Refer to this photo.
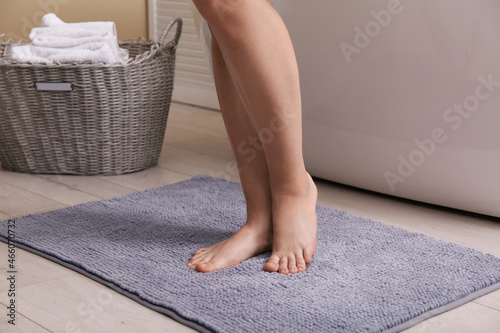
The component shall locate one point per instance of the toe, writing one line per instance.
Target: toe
(283, 265)
(272, 264)
(206, 267)
(192, 264)
(301, 264)
(199, 255)
(195, 258)
(199, 251)
(292, 267)
(199, 258)
(308, 255)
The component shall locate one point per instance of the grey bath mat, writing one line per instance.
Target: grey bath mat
(365, 276)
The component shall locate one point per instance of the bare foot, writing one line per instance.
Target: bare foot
(294, 229)
(250, 240)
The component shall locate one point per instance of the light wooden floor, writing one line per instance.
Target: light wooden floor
(52, 298)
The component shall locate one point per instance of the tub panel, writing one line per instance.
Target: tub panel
(402, 97)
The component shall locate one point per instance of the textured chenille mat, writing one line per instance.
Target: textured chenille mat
(365, 276)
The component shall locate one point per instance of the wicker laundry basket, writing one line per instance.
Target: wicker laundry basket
(87, 119)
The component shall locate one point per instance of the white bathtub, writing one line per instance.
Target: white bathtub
(396, 96)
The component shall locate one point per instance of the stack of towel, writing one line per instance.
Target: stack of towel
(59, 42)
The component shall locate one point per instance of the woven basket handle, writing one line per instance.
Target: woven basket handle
(173, 43)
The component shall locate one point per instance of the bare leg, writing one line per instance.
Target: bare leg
(260, 59)
(256, 235)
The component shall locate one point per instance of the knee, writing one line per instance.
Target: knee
(216, 10)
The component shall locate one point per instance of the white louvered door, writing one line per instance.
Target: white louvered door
(193, 80)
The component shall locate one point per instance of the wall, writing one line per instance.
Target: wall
(18, 17)
(194, 83)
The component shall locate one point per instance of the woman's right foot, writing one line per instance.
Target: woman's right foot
(294, 228)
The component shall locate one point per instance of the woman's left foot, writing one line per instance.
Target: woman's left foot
(252, 239)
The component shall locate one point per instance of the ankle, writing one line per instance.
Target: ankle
(259, 225)
(262, 233)
(299, 186)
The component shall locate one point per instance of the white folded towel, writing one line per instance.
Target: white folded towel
(51, 20)
(59, 42)
(67, 32)
(95, 53)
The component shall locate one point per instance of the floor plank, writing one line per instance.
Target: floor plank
(492, 300)
(207, 145)
(197, 119)
(48, 187)
(95, 186)
(467, 318)
(15, 202)
(193, 164)
(142, 180)
(176, 134)
(22, 325)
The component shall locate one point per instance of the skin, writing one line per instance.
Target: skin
(257, 83)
